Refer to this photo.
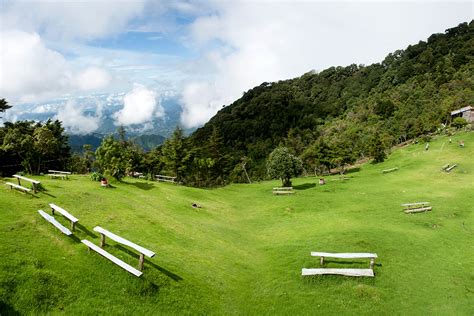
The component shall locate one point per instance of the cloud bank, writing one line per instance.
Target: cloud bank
(76, 121)
(140, 106)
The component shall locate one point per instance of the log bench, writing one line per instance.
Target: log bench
(143, 251)
(283, 190)
(16, 186)
(390, 170)
(57, 224)
(347, 272)
(450, 168)
(112, 258)
(64, 213)
(416, 207)
(59, 174)
(34, 183)
(349, 255)
(161, 178)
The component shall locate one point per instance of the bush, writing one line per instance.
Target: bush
(459, 122)
(96, 176)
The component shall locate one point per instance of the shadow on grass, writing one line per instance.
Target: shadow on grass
(352, 170)
(149, 263)
(140, 185)
(86, 231)
(48, 194)
(304, 186)
(75, 238)
(6, 309)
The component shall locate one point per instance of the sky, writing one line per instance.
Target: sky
(204, 54)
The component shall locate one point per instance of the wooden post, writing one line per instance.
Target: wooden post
(102, 240)
(321, 261)
(73, 225)
(19, 183)
(140, 262)
(52, 210)
(372, 261)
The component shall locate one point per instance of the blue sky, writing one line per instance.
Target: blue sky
(203, 54)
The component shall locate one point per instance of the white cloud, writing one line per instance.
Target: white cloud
(139, 106)
(75, 121)
(93, 78)
(69, 20)
(29, 71)
(247, 43)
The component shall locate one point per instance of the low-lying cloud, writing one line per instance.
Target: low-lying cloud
(141, 105)
(76, 121)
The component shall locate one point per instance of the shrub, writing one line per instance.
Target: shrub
(459, 122)
(96, 176)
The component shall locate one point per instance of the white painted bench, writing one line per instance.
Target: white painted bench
(53, 221)
(342, 255)
(165, 178)
(58, 174)
(390, 170)
(346, 272)
(65, 214)
(446, 166)
(143, 251)
(112, 258)
(33, 182)
(416, 207)
(450, 168)
(16, 186)
(283, 190)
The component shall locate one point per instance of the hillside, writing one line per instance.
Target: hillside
(242, 252)
(408, 94)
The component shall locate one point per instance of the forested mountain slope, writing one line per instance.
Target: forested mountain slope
(332, 117)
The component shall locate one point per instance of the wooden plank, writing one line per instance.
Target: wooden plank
(417, 203)
(344, 255)
(418, 210)
(64, 212)
(451, 168)
(445, 166)
(283, 188)
(124, 241)
(57, 175)
(346, 272)
(390, 170)
(57, 171)
(53, 221)
(112, 258)
(17, 186)
(27, 179)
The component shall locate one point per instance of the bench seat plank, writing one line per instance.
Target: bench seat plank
(53, 221)
(344, 255)
(26, 179)
(283, 188)
(59, 172)
(64, 212)
(347, 272)
(17, 186)
(112, 258)
(418, 210)
(124, 241)
(417, 203)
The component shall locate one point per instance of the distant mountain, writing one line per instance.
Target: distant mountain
(332, 117)
(146, 141)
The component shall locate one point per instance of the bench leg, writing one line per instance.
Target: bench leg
(321, 261)
(102, 240)
(52, 211)
(140, 262)
(372, 262)
(73, 225)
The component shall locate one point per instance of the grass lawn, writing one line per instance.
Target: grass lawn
(243, 251)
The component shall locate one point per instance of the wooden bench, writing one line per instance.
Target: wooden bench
(53, 221)
(446, 166)
(16, 186)
(143, 251)
(390, 170)
(58, 174)
(283, 190)
(65, 214)
(346, 272)
(161, 178)
(33, 182)
(416, 207)
(350, 255)
(450, 168)
(112, 258)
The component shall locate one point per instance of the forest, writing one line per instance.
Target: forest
(327, 119)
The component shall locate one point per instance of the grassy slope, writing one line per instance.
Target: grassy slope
(242, 253)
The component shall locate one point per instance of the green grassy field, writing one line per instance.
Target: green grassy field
(242, 252)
